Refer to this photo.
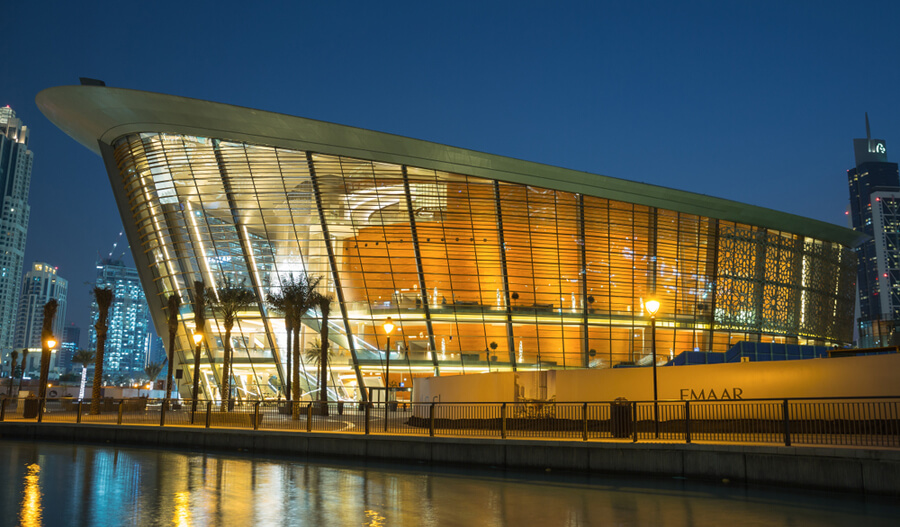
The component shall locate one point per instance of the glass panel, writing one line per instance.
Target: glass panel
(215, 211)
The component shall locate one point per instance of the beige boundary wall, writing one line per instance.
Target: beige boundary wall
(871, 376)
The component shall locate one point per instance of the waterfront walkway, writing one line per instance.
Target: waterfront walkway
(855, 422)
(848, 446)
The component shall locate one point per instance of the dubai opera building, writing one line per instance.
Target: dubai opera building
(484, 263)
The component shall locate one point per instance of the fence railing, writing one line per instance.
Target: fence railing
(857, 421)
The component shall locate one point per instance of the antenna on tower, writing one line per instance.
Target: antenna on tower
(868, 132)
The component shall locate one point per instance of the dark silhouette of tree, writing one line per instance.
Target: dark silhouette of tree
(200, 298)
(297, 296)
(22, 372)
(313, 353)
(46, 332)
(303, 297)
(324, 304)
(13, 358)
(153, 370)
(172, 306)
(282, 302)
(232, 299)
(104, 299)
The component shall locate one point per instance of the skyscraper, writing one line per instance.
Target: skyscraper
(41, 284)
(71, 342)
(875, 210)
(15, 179)
(130, 331)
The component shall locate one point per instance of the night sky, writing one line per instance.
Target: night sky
(754, 101)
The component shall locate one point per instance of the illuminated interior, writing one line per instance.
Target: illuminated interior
(478, 274)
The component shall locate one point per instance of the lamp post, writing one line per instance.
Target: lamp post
(49, 344)
(652, 307)
(46, 349)
(388, 328)
(198, 340)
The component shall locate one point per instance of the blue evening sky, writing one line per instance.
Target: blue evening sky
(755, 101)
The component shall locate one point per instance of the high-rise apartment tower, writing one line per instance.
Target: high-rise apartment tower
(130, 331)
(875, 210)
(41, 284)
(15, 179)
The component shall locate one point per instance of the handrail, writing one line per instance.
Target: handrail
(281, 401)
(848, 421)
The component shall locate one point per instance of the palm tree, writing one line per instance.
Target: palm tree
(22, 373)
(324, 303)
(281, 302)
(294, 300)
(13, 357)
(232, 299)
(303, 297)
(313, 354)
(83, 357)
(172, 306)
(153, 370)
(104, 298)
(46, 332)
(200, 297)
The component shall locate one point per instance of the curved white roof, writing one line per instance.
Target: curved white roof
(97, 113)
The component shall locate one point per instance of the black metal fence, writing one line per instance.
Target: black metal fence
(858, 421)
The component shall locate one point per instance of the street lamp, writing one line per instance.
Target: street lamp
(46, 348)
(652, 307)
(388, 328)
(198, 340)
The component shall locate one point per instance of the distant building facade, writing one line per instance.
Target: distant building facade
(875, 210)
(15, 180)
(130, 331)
(157, 351)
(41, 284)
(71, 342)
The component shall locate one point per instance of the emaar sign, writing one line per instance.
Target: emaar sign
(688, 394)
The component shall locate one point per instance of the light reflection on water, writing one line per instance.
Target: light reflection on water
(30, 513)
(57, 484)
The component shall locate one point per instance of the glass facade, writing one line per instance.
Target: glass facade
(477, 274)
(130, 334)
(874, 187)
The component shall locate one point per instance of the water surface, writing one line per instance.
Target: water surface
(59, 484)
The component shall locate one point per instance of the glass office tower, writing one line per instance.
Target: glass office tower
(483, 263)
(874, 186)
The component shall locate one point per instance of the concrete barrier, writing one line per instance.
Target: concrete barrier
(874, 471)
